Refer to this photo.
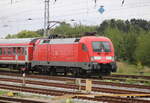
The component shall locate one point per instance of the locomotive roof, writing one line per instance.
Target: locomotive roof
(17, 41)
(64, 40)
(73, 40)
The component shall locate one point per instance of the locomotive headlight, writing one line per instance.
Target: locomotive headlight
(110, 58)
(96, 58)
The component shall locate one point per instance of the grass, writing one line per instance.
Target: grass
(36, 97)
(2, 92)
(130, 69)
(125, 68)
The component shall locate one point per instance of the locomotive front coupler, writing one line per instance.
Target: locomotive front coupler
(96, 66)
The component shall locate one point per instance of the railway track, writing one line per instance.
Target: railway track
(95, 81)
(112, 75)
(4, 99)
(72, 86)
(58, 93)
(126, 79)
(130, 76)
(122, 78)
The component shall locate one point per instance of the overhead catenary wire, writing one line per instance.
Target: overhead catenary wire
(81, 11)
(95, 11)
(78, 10)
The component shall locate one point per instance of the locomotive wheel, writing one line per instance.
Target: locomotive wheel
(33, 69)
(76, 72)
(87, 75)
(108, 73)
(100, 77)
(83, 73)
(10, 68)
(53, 71)
(65, 72)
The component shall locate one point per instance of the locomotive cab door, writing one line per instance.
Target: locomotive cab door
(83, 53)
(44, 50)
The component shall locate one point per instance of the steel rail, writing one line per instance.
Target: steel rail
(58, 93)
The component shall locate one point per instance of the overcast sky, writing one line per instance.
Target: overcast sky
(14, 17)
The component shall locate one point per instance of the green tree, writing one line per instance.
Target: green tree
(142, 52)
(24, 34)
(40, 32)
(115, 35)
(27, 34)
(72, 31)
(8, 36)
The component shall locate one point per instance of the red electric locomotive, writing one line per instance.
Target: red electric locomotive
(86, 55)
(90, 55)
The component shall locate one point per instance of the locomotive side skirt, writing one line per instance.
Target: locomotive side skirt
(83, 65)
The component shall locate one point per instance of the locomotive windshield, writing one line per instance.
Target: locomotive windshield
(101, 46)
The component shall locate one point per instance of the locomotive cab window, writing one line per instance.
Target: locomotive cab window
(101, 46)
(84, 48)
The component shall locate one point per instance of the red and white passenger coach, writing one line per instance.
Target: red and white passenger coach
(80, 56)
(16, 53)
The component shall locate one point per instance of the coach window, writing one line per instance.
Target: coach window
(0, 51)
(14, 51)
(23, 51)
(19, 51)
(9, 51)
(5, 51)
(84, 48)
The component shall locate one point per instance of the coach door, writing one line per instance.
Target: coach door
(26, 53)
(15, 54)
(20, 54)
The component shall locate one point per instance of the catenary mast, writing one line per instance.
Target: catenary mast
(46, 18)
